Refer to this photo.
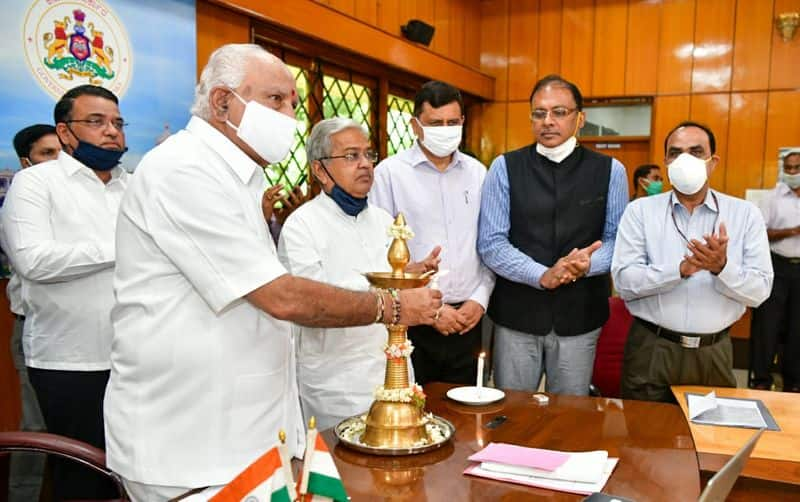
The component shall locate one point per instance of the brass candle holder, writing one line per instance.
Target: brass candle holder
(393, 424)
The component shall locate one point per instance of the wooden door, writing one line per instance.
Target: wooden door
(632, 151)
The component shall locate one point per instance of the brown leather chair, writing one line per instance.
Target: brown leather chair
(68, 448)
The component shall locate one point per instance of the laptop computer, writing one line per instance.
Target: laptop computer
(720, 485)
(717, 488)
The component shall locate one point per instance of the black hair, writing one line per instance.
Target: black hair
(63, 108)
(558, 81)
(437, 94)
(712, 142)
(25, 138)
(642, 172)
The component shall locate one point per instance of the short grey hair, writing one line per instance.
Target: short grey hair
(318, 144)
(226, 67)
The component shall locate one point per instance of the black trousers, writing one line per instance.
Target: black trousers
(780, 313)
(72, 406)
(440, 358)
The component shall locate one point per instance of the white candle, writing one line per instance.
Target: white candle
(481, 359)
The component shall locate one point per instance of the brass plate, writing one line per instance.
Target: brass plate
(385, 280)
(375, 450)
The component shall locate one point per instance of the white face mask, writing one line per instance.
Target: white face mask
(687, 173)
(269, 133)
(441, 141)
(792, 180)
(560, 152)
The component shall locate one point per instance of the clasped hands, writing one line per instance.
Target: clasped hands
(289, 202)
(569, 268)
(711, 255)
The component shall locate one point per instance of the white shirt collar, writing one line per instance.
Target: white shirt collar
(71, 165)
(784, 190)
(417, 157)
(239, 162)
(709, 201)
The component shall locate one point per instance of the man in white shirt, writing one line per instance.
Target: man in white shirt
(438, 189)
(58, 224)
(34, 144)
(781, 209)
(333, 239)
(687, 263)
(202, 365)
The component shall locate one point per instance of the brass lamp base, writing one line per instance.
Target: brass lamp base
(394, 425)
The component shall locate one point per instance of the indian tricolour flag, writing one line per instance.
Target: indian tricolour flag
(262, 481)
(324, 482)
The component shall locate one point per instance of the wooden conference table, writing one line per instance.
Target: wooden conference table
(777, 454)
(652, 440)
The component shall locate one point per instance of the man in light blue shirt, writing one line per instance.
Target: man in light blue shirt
(687, 263)
(438, 189)
(549, 214)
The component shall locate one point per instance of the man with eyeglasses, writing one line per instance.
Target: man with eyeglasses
(438, 188)
(780, 312)
(334, 238)
(202, 365)
(687, 263)
(549, 215)
(58, 224)
(34, 144)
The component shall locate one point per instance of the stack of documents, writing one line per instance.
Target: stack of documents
(582, 473)
(711, 410)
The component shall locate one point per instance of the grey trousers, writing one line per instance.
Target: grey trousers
(520, 360)
(27, 469)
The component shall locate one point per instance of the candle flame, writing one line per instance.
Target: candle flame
(483, 354)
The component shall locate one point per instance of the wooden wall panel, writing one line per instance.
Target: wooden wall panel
(549, 37)
(577, 37)
(494, 44)
(713, 46)
(389, 16)
(712, 110)
(457, 32)
(668, 111)
(520, 131)
(610, 36)
(367, 11)
(347, 7)
(217, 26)
(472, 37)
(752, 44)
(523, 48)
(676, 41)
(783, 129)
(494, 124)
(641, 72)
(441, 39)
(746, 132)
(785, 55)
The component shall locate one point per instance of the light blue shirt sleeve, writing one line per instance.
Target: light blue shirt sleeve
(494, 247)
(615, 205)
(633, 273)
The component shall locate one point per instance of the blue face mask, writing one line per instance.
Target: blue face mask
(94, 157)
(349, 204)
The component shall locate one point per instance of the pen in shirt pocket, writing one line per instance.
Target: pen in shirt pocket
(466, 196)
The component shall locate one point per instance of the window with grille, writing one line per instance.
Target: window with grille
(398, 122)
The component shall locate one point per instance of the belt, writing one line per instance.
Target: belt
(685, 340)
(785, 259)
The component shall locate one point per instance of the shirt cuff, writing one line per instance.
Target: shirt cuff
(481, 296)
(534, 275)
(729, 273)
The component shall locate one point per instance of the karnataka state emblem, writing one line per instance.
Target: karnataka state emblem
(69, 43)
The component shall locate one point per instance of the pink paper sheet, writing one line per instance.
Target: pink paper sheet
(510, 454)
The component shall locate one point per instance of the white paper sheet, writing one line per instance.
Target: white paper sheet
(550, 484)
(711, 410)
(584, 467)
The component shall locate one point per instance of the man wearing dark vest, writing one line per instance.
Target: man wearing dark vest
(549, 216)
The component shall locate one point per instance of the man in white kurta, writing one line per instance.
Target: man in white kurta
(337, 368)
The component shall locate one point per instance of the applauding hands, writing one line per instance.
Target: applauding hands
(569, 268)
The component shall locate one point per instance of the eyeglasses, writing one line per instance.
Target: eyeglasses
(352, 157)
(558, 113)
(99, 123)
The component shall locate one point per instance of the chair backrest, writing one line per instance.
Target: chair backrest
(607, 373)
(68, 448)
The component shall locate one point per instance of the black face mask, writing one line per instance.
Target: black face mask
(94, 157)
(349, 204)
